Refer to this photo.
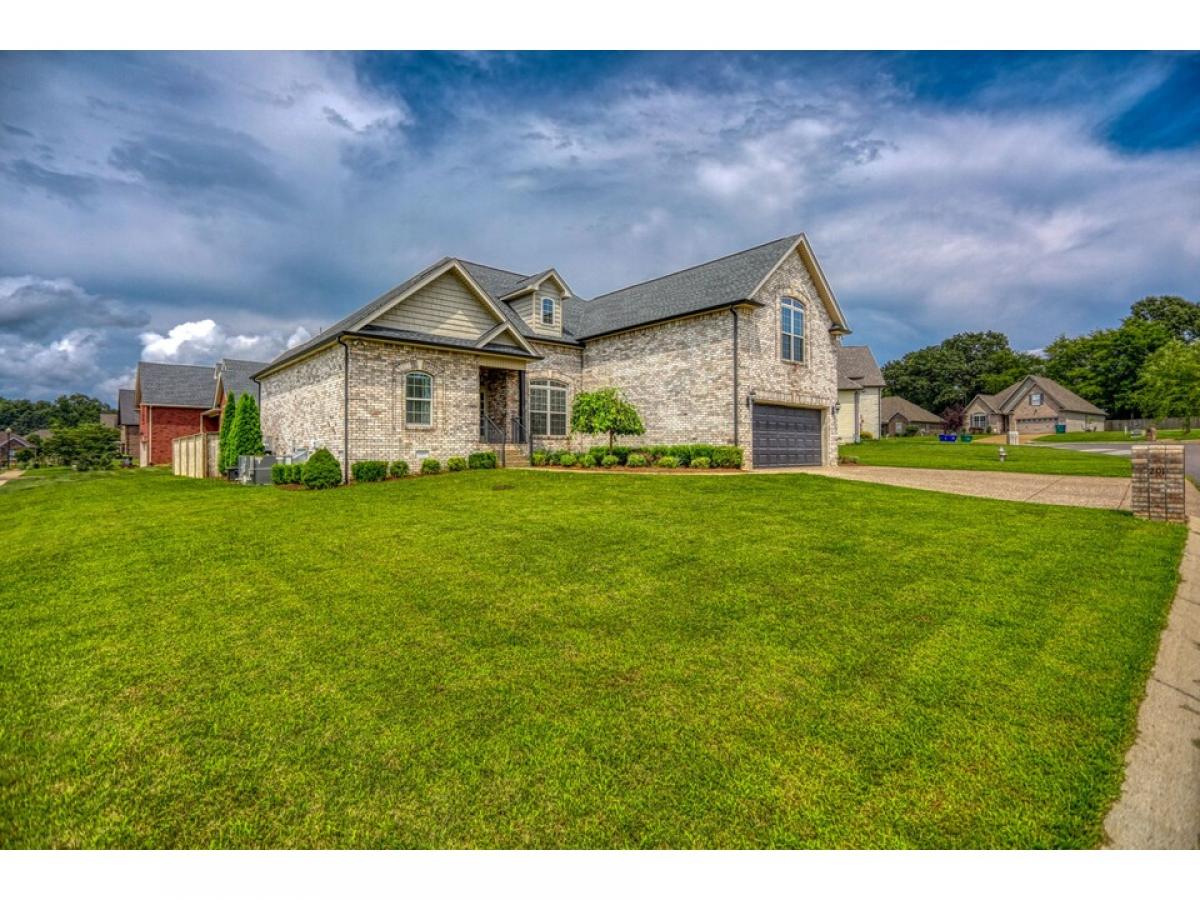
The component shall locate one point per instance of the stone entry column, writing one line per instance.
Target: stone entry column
(1158, 475)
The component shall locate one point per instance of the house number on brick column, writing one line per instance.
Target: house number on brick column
(1158, 482)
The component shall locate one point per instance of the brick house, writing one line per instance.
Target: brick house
(11, 444)
(171, 401)
(740, 350)
(896, 414)
(859, 385)
(1034, 405)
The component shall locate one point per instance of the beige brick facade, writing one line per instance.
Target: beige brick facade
(679, 374)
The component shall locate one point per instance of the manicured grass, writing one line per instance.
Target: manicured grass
(930, 453)
(1115, 437)
(540, 659)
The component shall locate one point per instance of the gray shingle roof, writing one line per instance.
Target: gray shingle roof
(709, 285)
(499, 282)
(127, 411)
(235, 376)
(889, 406)
(857, 364)
(1064, 398)
(437, 340)
(165, 384)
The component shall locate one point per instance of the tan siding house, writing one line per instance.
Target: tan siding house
(740, 350)
(1034, 405)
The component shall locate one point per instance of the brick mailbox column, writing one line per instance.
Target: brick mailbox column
(1158, 482)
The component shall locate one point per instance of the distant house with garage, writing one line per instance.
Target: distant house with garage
(172, 401)
(11, 444)
(859, 385)
(898, 414)
(1034, 405)
(462, 357)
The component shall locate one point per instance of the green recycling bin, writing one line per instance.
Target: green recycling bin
(1060, 428)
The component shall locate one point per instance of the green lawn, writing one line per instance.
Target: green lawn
(1115, 437)
(930, 453)
(540, 659)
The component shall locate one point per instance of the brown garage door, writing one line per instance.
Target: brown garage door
(786, 436)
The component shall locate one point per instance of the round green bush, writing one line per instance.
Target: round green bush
(369, 470)
(430, 466)
(587, 461)
(538, 458)
(321, 471)
(398, 469)
(635, 460)
(456, 464)
(700, 462)
(667, 462)
(566, 458)
(609, 461)
(279, 473)
(485, 459)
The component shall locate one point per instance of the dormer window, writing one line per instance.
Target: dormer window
(548, 311)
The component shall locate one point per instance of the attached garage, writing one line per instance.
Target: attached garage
(786, 436)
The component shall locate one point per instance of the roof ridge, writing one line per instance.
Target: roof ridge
(149, 362)
(792, 237)
(471, 262)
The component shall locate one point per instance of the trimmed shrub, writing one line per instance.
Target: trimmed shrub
(456, 464)
(726, 457)
(700, 462)
(609, 461)
(913, 430)
(321, 471)
(667, 462)
(588, 461)
(279, 473)
(866, 436)
(538, 458)
(398, 469)
(296, 476)
(485, 459)
(619, 452)
(566, 458)
(430, 466)
(637, 460)
(369, 470)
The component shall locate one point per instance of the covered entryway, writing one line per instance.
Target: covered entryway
(786, 436)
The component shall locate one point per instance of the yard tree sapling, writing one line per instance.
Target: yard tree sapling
(225, 457)
(247, 432)
(605, 412)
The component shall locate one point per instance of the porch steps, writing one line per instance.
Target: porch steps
(514, 455)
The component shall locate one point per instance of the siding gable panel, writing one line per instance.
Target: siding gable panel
(445, 306)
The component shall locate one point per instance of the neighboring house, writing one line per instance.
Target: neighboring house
(1034, 405)
(172, 401)
(897, 414)
(232, 376)
(10, 445)
(127, 421)
(108, 420)
(859, 385)
(740, 350)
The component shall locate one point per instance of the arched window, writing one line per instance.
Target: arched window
(548, 408)
(418, 399)
(791, 330)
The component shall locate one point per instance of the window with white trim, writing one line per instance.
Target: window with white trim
(548, 408)
(979, 420)
(1035, 399)
(791, 330)
(418, 399)
(548, 311)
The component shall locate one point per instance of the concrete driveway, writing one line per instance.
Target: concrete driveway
(1057, 490)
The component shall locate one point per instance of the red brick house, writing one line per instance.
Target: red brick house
(171, 401)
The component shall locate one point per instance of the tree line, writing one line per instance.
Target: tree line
(1146, 367)
(68, 411)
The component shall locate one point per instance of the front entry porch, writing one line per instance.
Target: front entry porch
(502, 414)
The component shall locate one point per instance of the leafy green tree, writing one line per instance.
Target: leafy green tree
(605, 412)
(246, 429)
(952, 372)
(1170, 382)
(1104, 366)
(24, 416)
(76, 409)
(1180, 317)
(89, 446)
(224, 444)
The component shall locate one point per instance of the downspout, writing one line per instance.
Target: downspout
(345, 410)
(733, 309)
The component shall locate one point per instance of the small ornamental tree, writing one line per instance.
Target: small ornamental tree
(953, 419)
(90, 446)
(224, 445)
(605, 412)
(247, 432)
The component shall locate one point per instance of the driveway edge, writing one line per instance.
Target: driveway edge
(1159, 806)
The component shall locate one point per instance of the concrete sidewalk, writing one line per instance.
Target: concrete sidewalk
(1159, 807)
(8, 475)
(1057, 490)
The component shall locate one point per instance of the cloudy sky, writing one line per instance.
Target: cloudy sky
(185, 207)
